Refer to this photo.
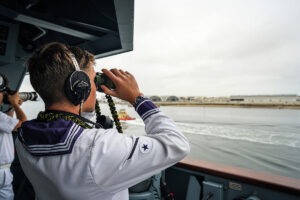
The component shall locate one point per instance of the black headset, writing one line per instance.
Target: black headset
(78, 89)
(77, 85)
(3, 82)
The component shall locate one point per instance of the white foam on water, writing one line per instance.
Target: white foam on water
(251, 133)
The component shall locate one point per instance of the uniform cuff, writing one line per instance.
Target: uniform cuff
(145, 108)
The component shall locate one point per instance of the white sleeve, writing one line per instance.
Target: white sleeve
(7, 123)
(119, 161)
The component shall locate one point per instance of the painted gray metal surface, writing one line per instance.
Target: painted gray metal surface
(221, 188)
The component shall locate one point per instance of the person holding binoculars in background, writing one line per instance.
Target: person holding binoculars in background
(66, 156)
(8, 124)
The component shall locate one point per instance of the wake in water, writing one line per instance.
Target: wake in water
(265, 134)
(275, 135)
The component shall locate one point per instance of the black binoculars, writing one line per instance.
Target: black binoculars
(102, 79)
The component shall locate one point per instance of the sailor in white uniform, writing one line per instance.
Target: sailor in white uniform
(65, 158)
(7, 125)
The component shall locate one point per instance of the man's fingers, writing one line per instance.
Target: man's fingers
(123, 73)
(116, 72)
(110, 75)
(128, 73)
(108, 91)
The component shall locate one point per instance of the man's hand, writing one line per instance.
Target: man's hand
(20, 102)
(14, 99)
(15, 102)
(126, 85)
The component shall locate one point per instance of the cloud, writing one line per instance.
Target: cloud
(214, 48)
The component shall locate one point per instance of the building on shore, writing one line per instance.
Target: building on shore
(266, 99)
(218, 100)
(172, 99)
(155, 98)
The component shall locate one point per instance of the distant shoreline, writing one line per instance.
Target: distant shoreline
(230, 105)
(241, 105)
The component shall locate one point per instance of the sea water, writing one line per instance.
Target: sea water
(262, 139)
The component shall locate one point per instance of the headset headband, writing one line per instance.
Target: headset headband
(75, 62)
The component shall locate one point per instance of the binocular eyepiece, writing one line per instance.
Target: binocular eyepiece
(102, 79)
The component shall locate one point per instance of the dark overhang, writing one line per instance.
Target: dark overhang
(103, 27)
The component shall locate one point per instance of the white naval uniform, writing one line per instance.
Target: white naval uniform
(7, 124)
(103, 164)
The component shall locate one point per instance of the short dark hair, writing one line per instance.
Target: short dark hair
(51, 65)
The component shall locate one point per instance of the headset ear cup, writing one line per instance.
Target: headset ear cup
(3, 82)
(78, 87)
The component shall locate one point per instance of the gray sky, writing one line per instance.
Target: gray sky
(214, 48)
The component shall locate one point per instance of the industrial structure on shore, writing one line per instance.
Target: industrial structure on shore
(285, 99)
